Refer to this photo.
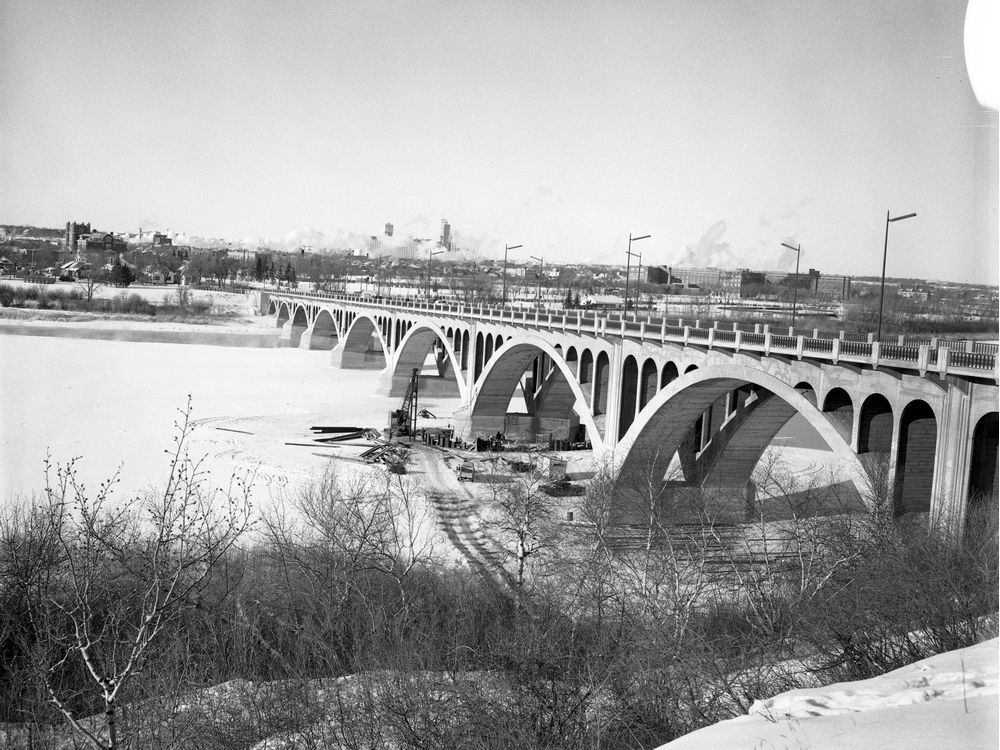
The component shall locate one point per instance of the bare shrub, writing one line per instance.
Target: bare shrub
(103, 583)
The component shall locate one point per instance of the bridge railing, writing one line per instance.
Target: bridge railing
(899, 353)
(725, 337)
(818, 345)
(976, 360)
(940, 355)
(784, 342)
(856, 348)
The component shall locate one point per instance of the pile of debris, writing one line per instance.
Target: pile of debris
(392, 454)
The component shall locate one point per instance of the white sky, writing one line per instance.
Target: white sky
(559, 125)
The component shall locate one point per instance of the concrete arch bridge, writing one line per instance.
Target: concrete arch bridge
(919, 415)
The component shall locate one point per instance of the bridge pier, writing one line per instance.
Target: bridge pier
(552, 408)
(321, 334)
(312, 339)
(612, 417)
(349, 359)
(952, 463)
(292, 333)
(393, 383)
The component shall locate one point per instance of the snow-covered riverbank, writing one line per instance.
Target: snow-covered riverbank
(947, 701)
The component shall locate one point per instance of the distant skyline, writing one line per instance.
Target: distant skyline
(720, 128)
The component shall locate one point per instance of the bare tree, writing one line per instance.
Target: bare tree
(522, 516)
(118, 576)
(90, 284)
(376, 522)
(347, 551)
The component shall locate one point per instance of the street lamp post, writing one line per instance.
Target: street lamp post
(638, 291)
(885, 252)
(628, 264)
(541, 266)
(795, 287)
(430, 259)
(506, 249)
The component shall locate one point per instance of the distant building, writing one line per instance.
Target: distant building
(388, 229)
(408, 249)
(713, 280)
(815, 284)
(603, 302)
(744, 282)
(100, 241)
(75, 269)
(73, 232)
(161, 240)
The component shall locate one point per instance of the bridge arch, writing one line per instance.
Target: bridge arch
(983, 466)
(298, 324)
(412, 353)
(477, 368)
(839, 408)
(917, 447)
(573, 360)
(557, 402)
(807, 391)
(324, 333)
(586, 367)
(602, 377)
(648, 448)
(648, 377)
(283, 314)
(629, 384)
(875, 425)
(364, 347)
(669, 374)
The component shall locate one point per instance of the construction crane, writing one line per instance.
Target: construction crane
(403, 421)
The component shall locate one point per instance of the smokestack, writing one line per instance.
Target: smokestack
(446, 234)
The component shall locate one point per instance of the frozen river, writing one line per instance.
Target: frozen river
(114, 404)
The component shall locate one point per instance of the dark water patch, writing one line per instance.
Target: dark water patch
(263, 340)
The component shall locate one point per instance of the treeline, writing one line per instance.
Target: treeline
(83, 299)
(339, 624)
(906, 317)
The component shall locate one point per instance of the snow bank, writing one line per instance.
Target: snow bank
(947, 701)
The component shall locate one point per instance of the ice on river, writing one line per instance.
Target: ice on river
(115, 404)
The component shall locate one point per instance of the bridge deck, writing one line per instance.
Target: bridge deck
(964, 359)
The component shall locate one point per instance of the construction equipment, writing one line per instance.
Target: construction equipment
(466, 472)
(426, 414)
(403, 421)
